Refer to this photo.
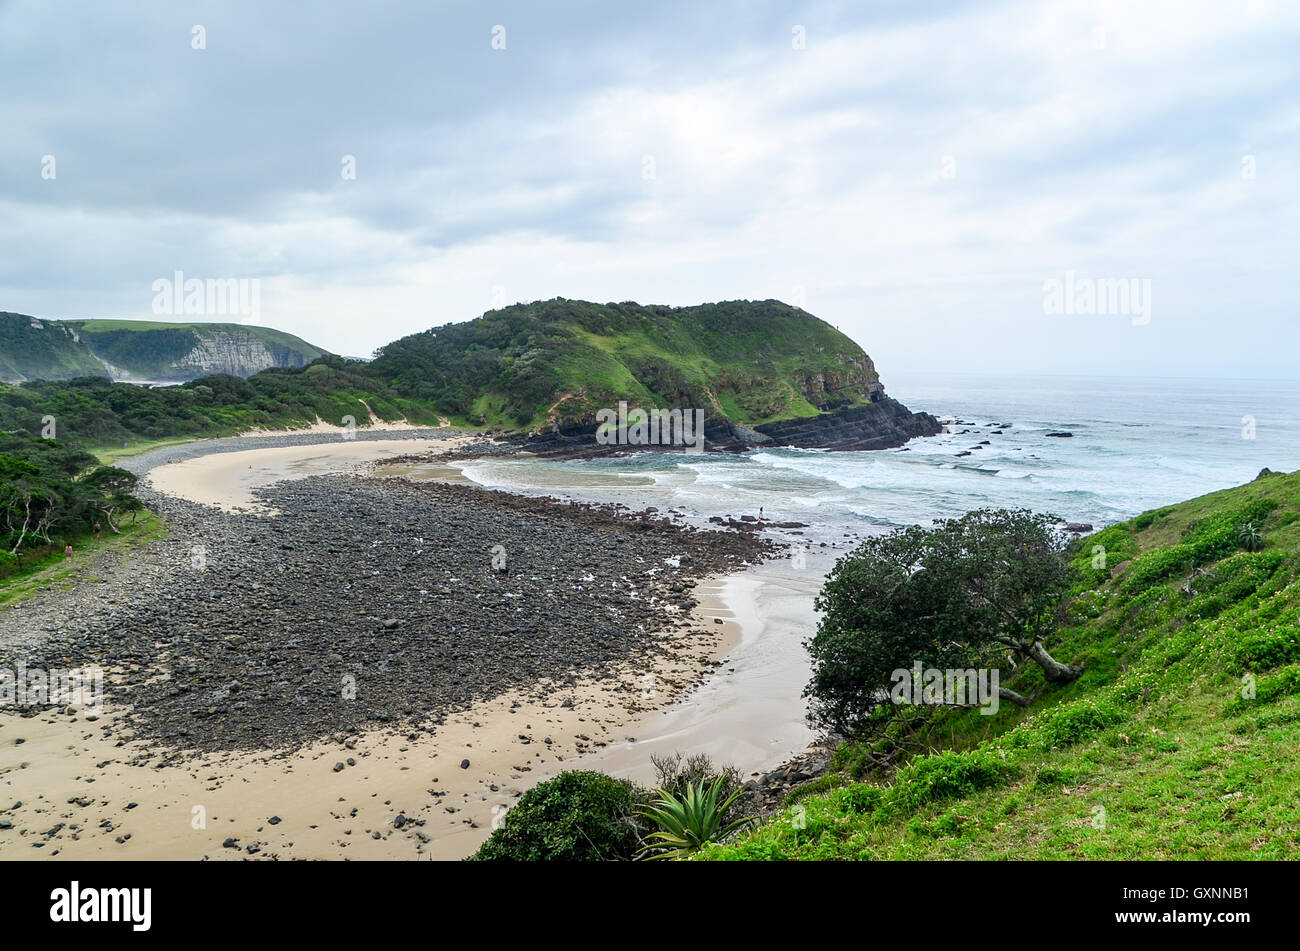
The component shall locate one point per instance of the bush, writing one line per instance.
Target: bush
(1284, 683)
(943, 776)
(575, 817)
(862, 798)
(1204, 541)
(1066, 724)
(1265, 650)
(673, 776)
(1147, 519)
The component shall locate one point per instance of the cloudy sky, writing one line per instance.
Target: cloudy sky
(914, 172)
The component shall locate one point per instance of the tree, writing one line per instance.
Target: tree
(576, 817)
(957, 595)
(47, 487)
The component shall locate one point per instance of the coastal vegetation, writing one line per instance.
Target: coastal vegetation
(577, 816)
(94, 412)
(52, 496)
(529, 365)
(520, 368)
(966, 593)
(588, 816)
(36, 349)
(687, 821)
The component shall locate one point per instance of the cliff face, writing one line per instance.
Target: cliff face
(129, 350)
(236, 351)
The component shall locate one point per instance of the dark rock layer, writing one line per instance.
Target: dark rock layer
(883, 424)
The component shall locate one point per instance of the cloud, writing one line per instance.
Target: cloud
(916, 170)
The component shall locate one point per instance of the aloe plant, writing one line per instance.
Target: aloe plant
(1250, 537)
(689, 820)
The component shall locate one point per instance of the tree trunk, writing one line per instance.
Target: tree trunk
(23, 534)
(1017, 699)
(1053, 670)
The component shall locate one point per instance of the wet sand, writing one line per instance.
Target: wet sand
(68, 776)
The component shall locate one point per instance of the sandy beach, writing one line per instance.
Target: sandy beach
(728, 687)
(227, 480)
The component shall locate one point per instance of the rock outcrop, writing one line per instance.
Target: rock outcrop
(883, 424)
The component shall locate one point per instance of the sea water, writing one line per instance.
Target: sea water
(1136, 444)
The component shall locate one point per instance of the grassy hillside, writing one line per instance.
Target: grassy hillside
(555, 361)
(35, 349)
(42, 349)
(1177, 742)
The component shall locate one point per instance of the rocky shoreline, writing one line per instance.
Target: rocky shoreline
(365, 603)
(882, 424)
(765, 793)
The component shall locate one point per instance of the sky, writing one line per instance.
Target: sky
(933, 178)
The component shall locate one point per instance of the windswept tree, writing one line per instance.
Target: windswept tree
(48, 489)
(108, 492)
(962, 594)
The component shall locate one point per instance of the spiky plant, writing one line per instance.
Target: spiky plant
(689, 820)
(1250, 537)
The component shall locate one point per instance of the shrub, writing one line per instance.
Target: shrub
(942, 776)
(1119, 546)
(1284, 683)
(1066, 724)
(1049, 777)
(689, 821)
(862, 798)
(673, 775)
(1265, 650)
(1250, 537)
(575, 817)
(1204, 541)
(1147, 519)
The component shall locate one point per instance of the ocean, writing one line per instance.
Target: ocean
(1137, 444)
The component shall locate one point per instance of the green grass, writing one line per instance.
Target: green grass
(1159, 751)
(110, 455)
(49, 568)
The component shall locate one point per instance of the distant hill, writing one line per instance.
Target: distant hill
(33, 348)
